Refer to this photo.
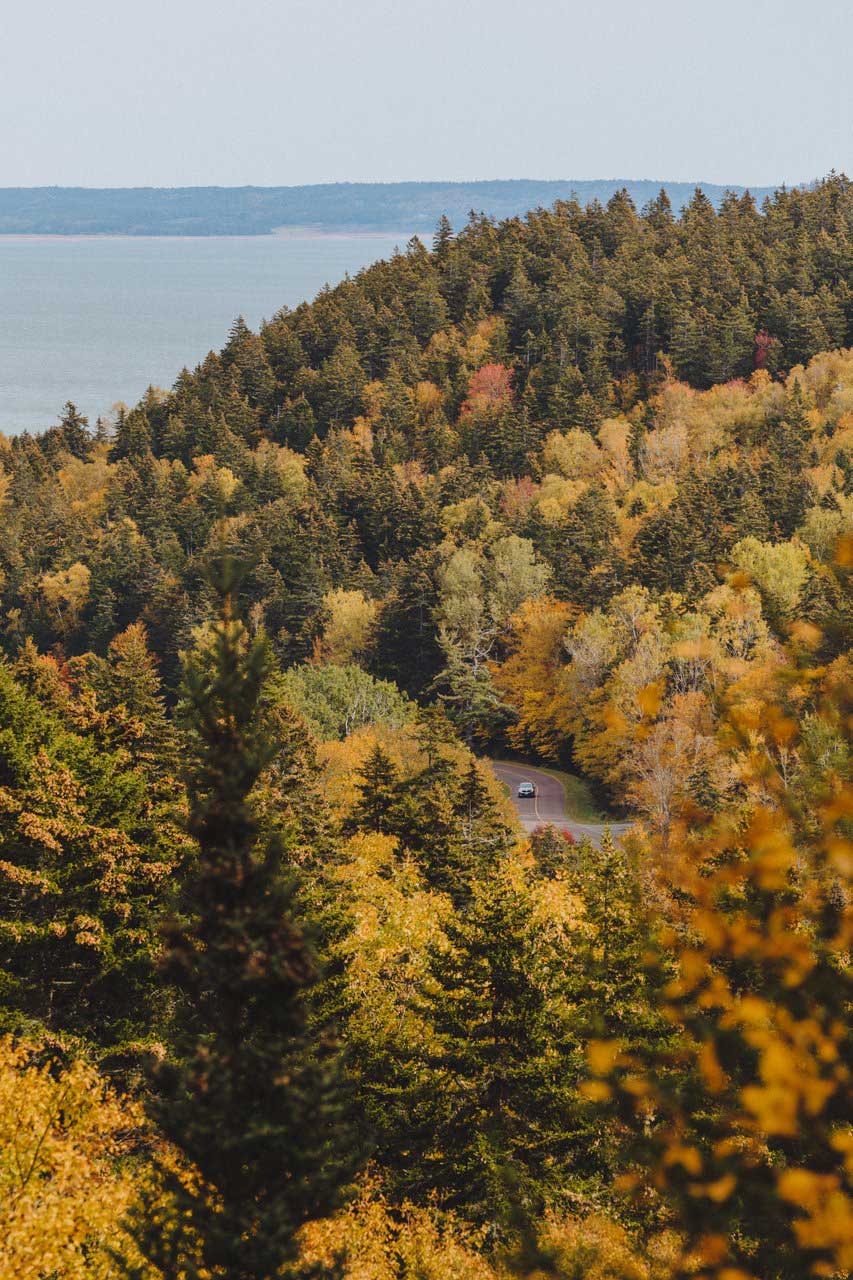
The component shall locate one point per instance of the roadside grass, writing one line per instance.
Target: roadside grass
(579, 800)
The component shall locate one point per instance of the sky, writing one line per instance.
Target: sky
(280, 92)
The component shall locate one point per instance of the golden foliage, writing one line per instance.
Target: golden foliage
(350, 620)
(532, 679)
(370, 1242)
(66, 592)
(769, 896)
(597, 1248)
(65, 1183)
(396, 921)
(376, 1245)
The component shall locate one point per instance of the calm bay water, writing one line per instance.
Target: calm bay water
(96, 320)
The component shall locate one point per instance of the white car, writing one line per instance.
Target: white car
(526, 791)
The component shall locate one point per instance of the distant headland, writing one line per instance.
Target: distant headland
(337, 206)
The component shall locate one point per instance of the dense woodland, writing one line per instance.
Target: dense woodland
(283, 990)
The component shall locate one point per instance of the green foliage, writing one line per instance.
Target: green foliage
(481, 1118)
(88, 843)
(582, 479)
(337, 700)
(247, 1094)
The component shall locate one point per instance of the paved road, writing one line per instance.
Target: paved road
(549, 804)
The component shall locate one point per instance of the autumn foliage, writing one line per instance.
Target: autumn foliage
(575, 489)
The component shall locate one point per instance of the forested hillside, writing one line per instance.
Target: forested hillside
(576, 487)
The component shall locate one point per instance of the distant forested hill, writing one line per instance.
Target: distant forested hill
(339, 206)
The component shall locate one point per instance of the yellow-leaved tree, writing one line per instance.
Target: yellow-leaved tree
(350, 621)
(532, 679)
(748, 1121)
(65, 1177)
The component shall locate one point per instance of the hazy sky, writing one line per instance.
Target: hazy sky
(186, 92)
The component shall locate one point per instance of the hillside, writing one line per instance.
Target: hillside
(601, 396)
(339, 206)
(575, 487)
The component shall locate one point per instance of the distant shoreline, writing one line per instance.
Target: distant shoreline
(327, 209)
(280, 233)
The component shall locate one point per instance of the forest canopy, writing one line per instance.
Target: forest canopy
(279, 968)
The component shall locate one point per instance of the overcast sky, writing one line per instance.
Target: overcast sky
(188, 92)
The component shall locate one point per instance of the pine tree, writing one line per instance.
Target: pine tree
(482, 834)
(586, 414)
(637, 434)
(435, 732)
(443, 238)
(127, 684)
(132, 437)
(480, 1116)
(246, 354)
(75, 432)
(86, 851)
(244, 1095)
(467, 690)
(791, 436)
(378, 792)
(427, 309)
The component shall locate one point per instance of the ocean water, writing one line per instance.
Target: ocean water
(97, 319)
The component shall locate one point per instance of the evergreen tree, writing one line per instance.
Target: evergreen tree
(443, 238)
(86, 849)
(75, 432)
(127, 684)
(636, 440)
(481, 833)
(246, 355)
(244, 1095)
(612, 995)
(378, 791)
(467, 691)
(132, 436)
(480, 1116)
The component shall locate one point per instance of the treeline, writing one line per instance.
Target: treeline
(278, 975)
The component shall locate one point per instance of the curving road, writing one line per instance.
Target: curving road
(549, 805)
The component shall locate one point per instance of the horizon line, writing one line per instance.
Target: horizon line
(414, 182)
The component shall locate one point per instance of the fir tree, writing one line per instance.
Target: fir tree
(128, 685)
(613, 992)
(132, 437)
(484, 1119)
(637, 434)
(86, 848)
(482, 834)
(443, 238)
(378, 790)
(244, 1095)
(75, 432)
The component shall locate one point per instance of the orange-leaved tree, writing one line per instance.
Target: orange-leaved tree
(532, 679)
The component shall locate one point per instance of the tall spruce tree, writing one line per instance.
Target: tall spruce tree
(86, 849)
(480, 1117)
(249, 1093)
(75, 431)
(377, 791)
